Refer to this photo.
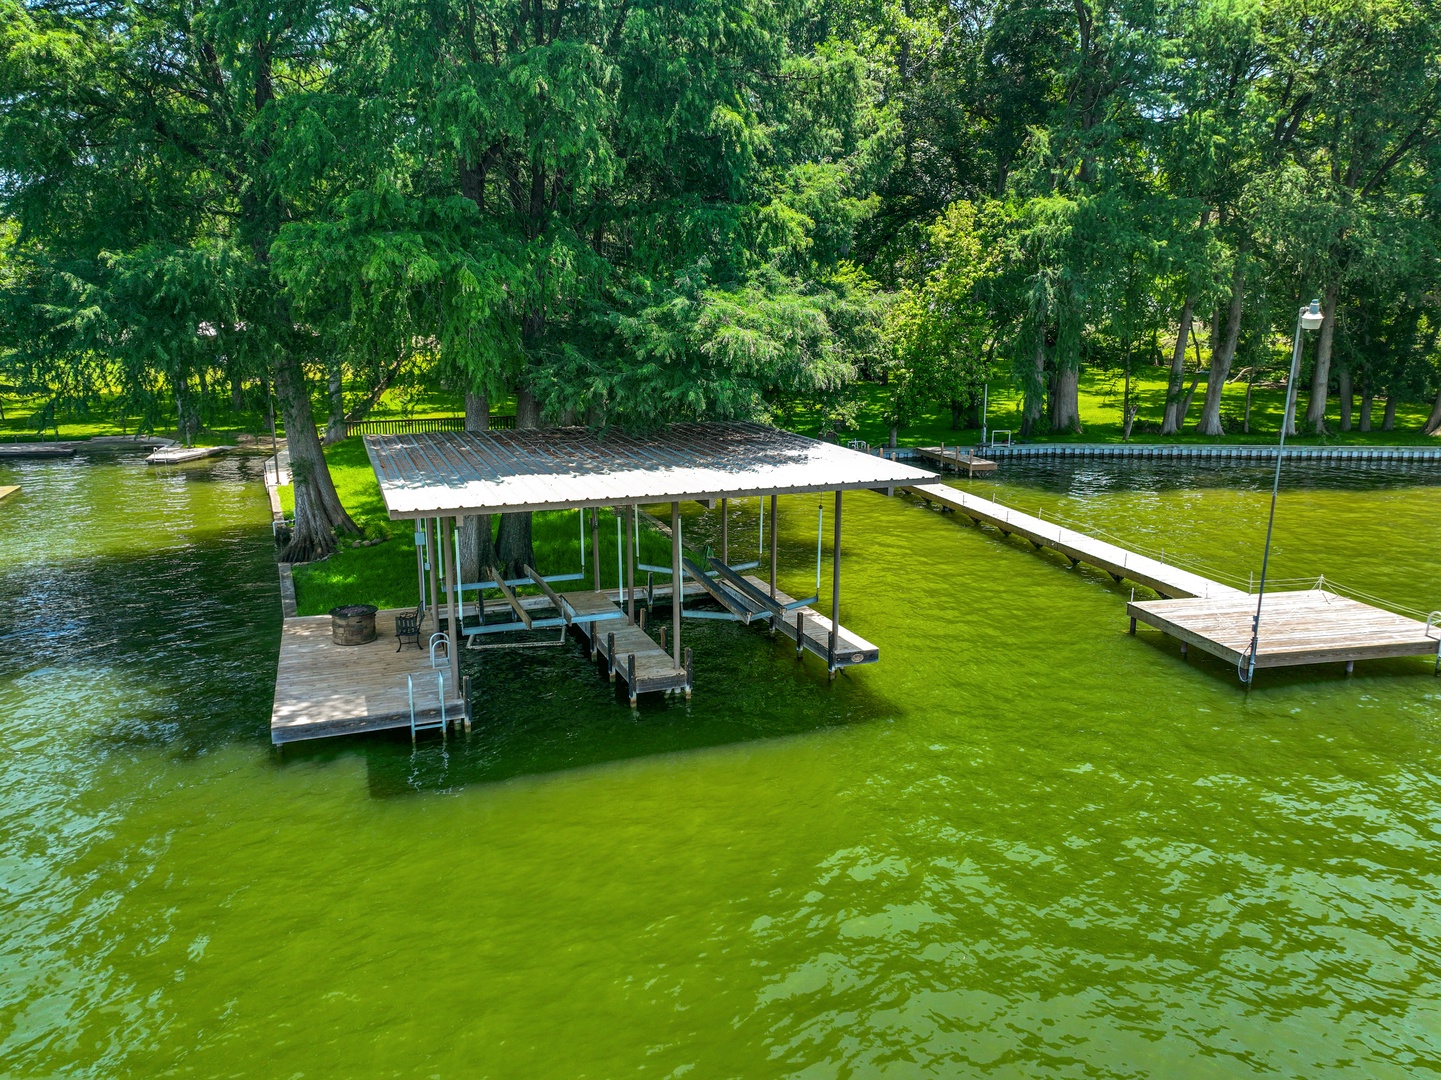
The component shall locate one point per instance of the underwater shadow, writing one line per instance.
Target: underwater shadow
(550, 710)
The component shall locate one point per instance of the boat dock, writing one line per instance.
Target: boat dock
(7, 490)
(323, 689)
(176, 455)
(1122, 564)
(953, 457)
(1311, 626)
(36, 450)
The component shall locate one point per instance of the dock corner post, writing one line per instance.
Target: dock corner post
(800, 633)
(629, 565)
(835, 589)
(1133, 625)
(677, 583)
(725, 532)
(689, 673)
(465, 690)
(630, 677)
(595, 545)
(610, 655)
(773, 553)
(431, 557)
(452, 590)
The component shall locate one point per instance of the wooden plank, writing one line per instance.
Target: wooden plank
(509, 594)
(7, 490)
(851, 648)
(752, 588)
(550, 593)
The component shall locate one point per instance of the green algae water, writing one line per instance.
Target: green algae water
(1025, 843)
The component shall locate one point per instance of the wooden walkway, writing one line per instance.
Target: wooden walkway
(1309, 627)
(952, 457)
(629, 653)
(1121, 564)
(323, 689)
(815, 632)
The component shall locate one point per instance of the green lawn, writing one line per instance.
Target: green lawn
(1101, 398)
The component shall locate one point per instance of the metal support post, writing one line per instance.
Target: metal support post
(676, 582)
(835, 590)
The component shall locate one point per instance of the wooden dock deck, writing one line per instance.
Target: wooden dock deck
(7, 490)
(323, 689)
(628, 651)
(953, 457)
(815, 630)
(1170, 581)
(1306, 627)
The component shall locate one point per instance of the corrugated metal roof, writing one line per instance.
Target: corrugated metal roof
(443, 473)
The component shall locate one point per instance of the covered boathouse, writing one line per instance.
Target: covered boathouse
(436, 478)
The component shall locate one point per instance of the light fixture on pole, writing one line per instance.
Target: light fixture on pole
(1309, 318)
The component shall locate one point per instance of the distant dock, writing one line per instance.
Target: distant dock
(37, 450)
(953, 457)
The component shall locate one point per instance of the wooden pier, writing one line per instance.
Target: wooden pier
(323, 689)
(1310, 626)
(814, 632)
(36, 450)
(1120, 563)
(953, 457)
(1305, 627)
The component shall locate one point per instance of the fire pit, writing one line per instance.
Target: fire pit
(352, 624)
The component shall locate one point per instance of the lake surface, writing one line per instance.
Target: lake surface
(1024, 843)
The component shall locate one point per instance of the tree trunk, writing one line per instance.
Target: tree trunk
(1321, 374)
(1348, 397)
(1367, 397)
(1221, 360)
(1388, 418)
(1170, 424)
(1433, 422)
(477, 546)
(514, 545)
(1034, 404)
(237, 395)
(318, 512)
(335, 394)
(957, 408)
(1066, 399)
(1246, 418)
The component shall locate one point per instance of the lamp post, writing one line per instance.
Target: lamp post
(1309, 318)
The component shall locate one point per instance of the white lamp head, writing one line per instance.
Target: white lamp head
(1311, 316)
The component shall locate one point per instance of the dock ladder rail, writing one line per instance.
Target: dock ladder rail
(427, 724)
(439, 638)
(1433, 622)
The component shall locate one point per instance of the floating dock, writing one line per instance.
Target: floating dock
(36, 450)
(953, 457)
(1122, 564)
(176, 455)
(7, 490)
(1305, 627)
(323, 689)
